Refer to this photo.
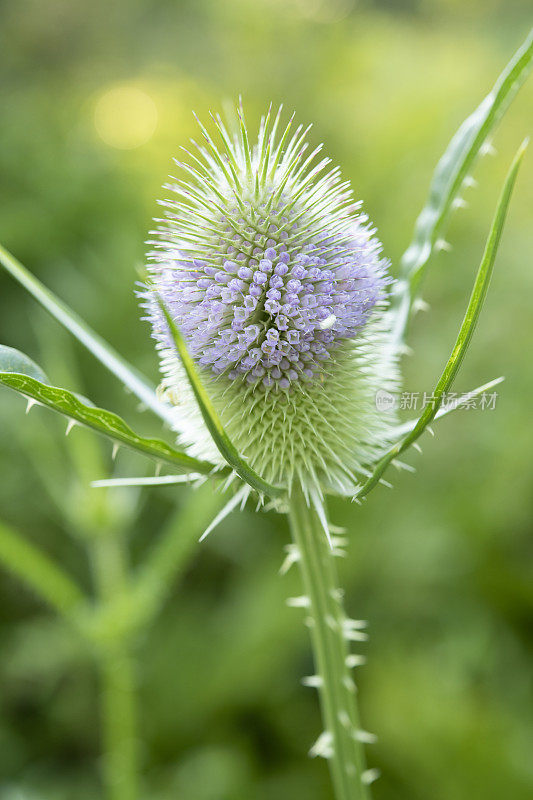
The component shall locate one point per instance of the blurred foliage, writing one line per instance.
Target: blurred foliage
(96, 98)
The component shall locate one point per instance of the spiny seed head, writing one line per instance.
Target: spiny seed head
(278, 285)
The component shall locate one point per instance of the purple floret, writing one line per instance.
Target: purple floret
(274, 311)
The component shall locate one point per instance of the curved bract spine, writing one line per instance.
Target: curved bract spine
(466, 331)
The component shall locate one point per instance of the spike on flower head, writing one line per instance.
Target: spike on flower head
(278, 286)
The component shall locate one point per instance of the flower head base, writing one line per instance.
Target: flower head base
(272, 276)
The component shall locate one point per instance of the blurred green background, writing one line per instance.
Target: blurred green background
(96, 99)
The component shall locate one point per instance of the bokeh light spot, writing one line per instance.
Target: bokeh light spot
(125, 117)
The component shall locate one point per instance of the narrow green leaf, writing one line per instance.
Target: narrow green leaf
(100, 420)
(468, 325)
(449, 177)
(211, 418)
(107, 355)
(39, 572)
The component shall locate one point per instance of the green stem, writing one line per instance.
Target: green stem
(116, 664)
(119, 721)
(327, 623)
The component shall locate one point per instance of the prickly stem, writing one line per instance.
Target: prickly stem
(342, 741)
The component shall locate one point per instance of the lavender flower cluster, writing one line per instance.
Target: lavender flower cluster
(272, 299)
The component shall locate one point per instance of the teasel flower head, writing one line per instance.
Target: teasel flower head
(278, 284)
